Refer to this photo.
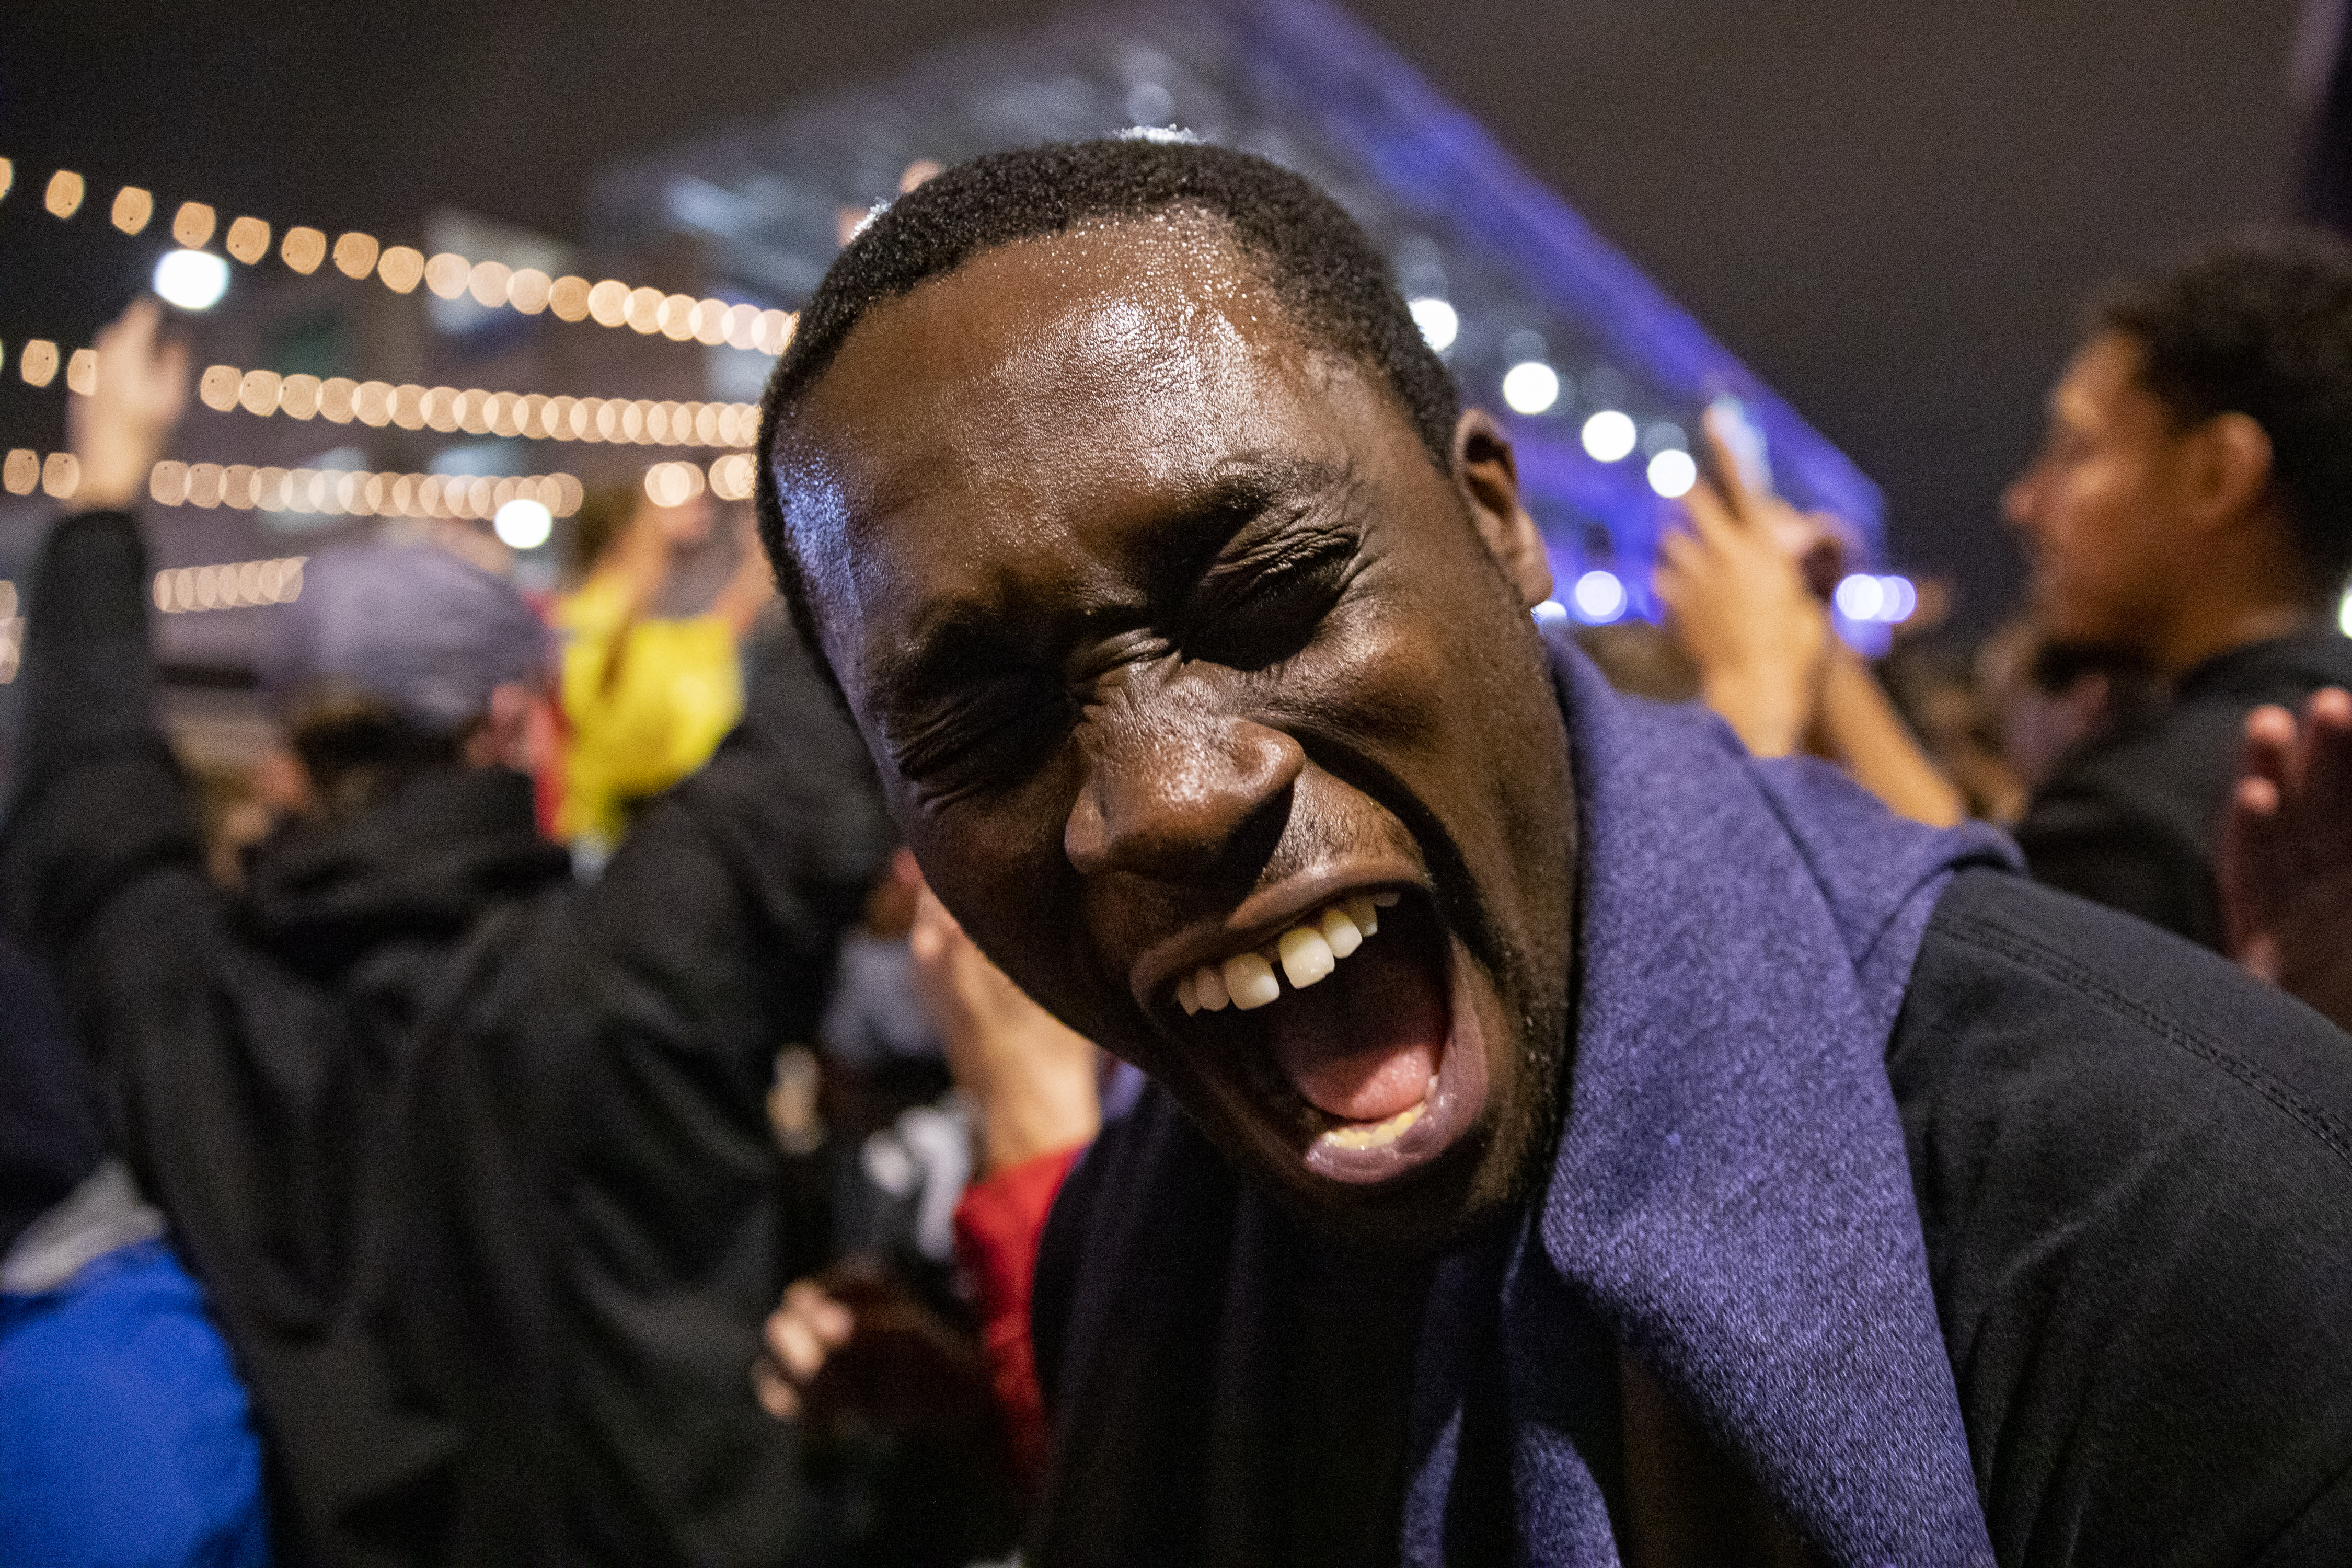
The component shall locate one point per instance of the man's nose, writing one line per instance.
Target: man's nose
(1173, 787)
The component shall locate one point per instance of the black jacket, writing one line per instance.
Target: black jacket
(471, 1159)
(2134, 1172)
(2131, 819)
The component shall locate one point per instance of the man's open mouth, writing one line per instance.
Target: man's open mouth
(1350, 1026)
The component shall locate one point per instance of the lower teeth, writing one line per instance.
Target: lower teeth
(1377, 1134)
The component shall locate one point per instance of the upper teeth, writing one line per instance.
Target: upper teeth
(1307, 952)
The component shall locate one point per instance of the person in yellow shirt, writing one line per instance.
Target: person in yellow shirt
(646, 698)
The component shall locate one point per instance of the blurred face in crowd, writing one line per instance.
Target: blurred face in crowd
(2105, 504)
(1210, 705)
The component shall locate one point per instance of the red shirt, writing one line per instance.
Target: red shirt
(998, 1225)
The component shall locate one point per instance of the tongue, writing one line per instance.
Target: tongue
(1363, 1045)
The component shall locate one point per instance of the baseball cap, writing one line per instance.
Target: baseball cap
(408, 624)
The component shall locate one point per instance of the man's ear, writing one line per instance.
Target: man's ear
(2232, 473)
(1488, 477)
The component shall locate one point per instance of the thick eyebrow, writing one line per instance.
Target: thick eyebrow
(961, 636)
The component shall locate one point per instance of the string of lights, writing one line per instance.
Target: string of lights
(232, 585)
(340, 400)
(531, 416)
(336, 493)
(730, 478)
(332, 492)
(38, 360)
(401, 267)
(344, 492)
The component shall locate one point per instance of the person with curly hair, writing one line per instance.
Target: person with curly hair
(2190, 512)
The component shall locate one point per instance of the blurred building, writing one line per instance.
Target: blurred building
(1603, 377)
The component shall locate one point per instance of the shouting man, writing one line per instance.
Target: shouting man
(1570, 1140)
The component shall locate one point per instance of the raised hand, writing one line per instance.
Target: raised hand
(120, 427)
(2285, 868)
(1737, 600)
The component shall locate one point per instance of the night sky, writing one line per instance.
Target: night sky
(1891, 212)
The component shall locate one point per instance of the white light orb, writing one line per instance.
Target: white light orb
(1437, 321)
(1530, 387)
(523, 524)
(1609, 436)
(1599, 597)
(1550, 612)
(2343, 614)
(1672, 473)
(192, 280)
(1900, 598)
(1861, 597)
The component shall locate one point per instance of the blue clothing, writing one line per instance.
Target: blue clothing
(125, 1438)
(1731, 1196)
(1730, 1206)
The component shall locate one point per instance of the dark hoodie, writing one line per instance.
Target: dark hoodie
(470, 1158)
(2132, 819)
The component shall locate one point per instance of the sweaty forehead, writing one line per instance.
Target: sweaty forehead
(1004, 421)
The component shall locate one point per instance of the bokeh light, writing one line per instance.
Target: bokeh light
(355, 255)
(232, 585)
(303, 250)
(1859, 596)
(1902, 597)
(1530, 387)
(608, 302)
(133, 208)
(1885, 601)
(192, 280)
(1437, 321)
(526, 290)
(489, 282)
(298, 396)
(1609, 436)
(247, 240)
(523, 523)
(259, 392)
(733, 476)
(60, 476)
(64, 193)
(568, 297)
(192, 226)
(1673, 472)
(37, 362)
(402, 269)
(447, 274)
(673, 484)
(1599, 597)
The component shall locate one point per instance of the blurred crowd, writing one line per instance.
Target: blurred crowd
(541, 1115)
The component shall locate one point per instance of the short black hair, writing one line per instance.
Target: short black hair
(2260, 326)
(1308, 251)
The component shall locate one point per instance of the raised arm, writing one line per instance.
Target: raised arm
(97, 796)
(1737, 600)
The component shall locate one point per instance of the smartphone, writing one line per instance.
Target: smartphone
(1745, 438)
